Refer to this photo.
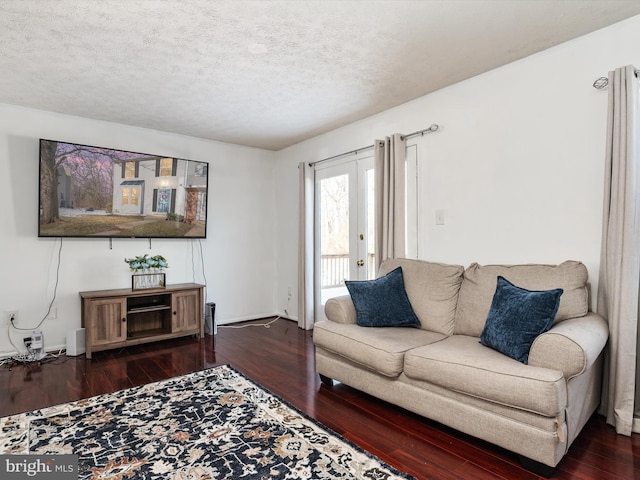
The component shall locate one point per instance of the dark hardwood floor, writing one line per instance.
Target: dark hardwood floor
(280, 358)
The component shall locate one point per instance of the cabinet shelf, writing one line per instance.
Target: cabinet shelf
(124, 317)
(148, 333)
(144, 309)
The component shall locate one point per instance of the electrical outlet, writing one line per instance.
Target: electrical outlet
(7, 316)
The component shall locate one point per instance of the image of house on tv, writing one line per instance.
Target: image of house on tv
(172, 187)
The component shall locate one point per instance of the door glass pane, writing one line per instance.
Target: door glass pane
(334, 236)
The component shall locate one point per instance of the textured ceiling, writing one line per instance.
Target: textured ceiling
(267, 74)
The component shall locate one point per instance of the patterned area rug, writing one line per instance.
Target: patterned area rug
(212, 424)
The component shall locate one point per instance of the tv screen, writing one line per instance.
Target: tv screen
(90, 191)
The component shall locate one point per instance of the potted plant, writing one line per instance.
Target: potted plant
(147, 271)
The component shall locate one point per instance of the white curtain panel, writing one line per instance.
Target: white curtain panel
(389, 162)
(306, 305)
(619, 282)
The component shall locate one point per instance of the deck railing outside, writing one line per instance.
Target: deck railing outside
(335, 269)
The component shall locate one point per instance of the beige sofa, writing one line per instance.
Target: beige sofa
(442, 371)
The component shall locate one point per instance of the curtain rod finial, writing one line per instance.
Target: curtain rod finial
(601, 83)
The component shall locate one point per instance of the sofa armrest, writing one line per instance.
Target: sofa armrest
(340, 309)
(571, 346)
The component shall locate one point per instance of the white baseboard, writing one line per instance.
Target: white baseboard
(261, 316)
(228, 321)
(47, 348)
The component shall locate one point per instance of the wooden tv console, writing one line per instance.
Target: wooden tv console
(124, 317)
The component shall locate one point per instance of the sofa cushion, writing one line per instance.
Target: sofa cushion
(382, 302)
(517, 316)
(379, 349)
(479, 284)
(462, 364)
(432, 289)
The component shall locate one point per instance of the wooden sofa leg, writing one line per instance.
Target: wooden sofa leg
(536, 467)
(326, 381)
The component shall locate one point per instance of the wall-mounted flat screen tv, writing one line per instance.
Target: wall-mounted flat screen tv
(90, 191)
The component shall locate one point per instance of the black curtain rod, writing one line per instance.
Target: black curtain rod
(311, 164)
(432, 128)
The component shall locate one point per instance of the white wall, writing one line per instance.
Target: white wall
(239, 250)
(517, 163)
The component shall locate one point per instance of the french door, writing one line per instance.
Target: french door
(344, 228)
(131, 199)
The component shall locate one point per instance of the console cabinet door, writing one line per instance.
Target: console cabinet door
(107, 320)
(186, 310)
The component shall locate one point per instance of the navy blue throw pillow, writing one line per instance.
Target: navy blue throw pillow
(517, 316)
(382, 302)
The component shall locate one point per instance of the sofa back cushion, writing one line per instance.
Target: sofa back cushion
(432, 289)
(479, 286)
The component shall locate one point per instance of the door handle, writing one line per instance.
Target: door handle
(360, 263)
